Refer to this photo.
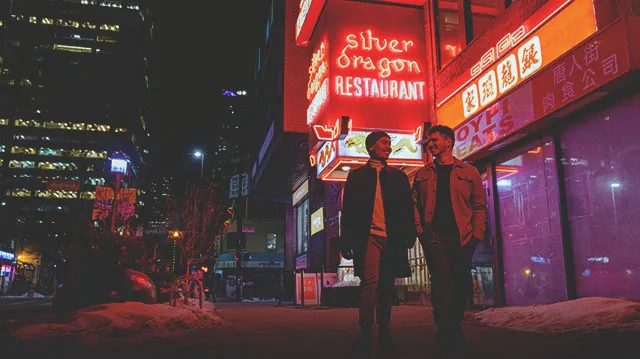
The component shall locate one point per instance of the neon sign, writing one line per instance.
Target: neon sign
(384, 66)
(307, 18)
(381, 66)
(334, 157)
(7, 255)
(318, 70)
(318, 101)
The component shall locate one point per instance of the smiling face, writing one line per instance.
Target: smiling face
(439, 144)
(381, 149)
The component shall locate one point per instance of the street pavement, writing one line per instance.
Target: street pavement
(264, 330)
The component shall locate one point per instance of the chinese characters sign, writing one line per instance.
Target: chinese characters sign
(561, 33)
(588, 67)
(596, 62)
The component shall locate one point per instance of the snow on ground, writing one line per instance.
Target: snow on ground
(26, 295)
(129, 319)
(580, 315)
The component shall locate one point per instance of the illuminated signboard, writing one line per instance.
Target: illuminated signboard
(7, 255)
(594, 63)
(317, 221)
(380, 58)
(119, 165)
(307, 18)
(376, 75)
(559, 32)
(336, 158)
(299, 193)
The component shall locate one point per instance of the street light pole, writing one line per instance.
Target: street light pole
(201, 155)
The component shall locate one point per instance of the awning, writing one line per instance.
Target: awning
(251, 260)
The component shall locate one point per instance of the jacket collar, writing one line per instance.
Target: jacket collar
(456, 163)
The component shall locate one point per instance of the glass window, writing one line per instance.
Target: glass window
(20, 192)
(271, 241)
(19, 150)
(22, 164)
(4, 121)
(302, 226)
(450, 30)
(87, 195)
(57, 166)
(601, 160)
(1, 148)
(530, 227)
(484, 14)
(26, 123)
(43, 151)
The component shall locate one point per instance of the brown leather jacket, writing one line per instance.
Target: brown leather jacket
(467, 197)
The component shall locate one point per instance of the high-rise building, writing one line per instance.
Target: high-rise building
(75, 91)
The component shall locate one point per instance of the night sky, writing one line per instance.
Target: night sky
(200, 47)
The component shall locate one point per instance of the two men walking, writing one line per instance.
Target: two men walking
(381, 218)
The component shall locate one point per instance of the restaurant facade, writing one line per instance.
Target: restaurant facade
(543, 99)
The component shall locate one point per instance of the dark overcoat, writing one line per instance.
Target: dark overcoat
(357, 213)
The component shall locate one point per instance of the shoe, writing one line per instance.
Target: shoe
(385, 340)
(362, 345)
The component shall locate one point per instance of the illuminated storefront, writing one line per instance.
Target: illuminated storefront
(547, 117)
(540, 102)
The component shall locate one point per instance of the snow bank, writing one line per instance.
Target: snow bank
(128, 319)
(580, 315)
(26, 295)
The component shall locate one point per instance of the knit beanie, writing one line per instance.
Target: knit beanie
(373, 137)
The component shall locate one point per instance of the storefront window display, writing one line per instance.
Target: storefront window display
(601, 161)
(302, 226)
(532, 249)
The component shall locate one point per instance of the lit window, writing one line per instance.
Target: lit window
(1, 148)
(95, 181)
(70, 23)
(22, 164)
(77, 126)
(96, 154)
(75, 153)
(88, 25)
(108, 27)
(43, 151)
(271, 241)
(4, 121)
(57, 166)
(56, 194)
(57, 125)
(26, 123)
(118, 130)
(1, 162)
(87, 195)
(33, 20)
(47, 21)
(20, 192)
(70, 48)
(18, 150)
(90, 168)
(96, 127)
(103, 38)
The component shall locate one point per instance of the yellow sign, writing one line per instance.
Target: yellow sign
(317, 221)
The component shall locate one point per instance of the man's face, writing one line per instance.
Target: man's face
(438, 144)
(381, 148)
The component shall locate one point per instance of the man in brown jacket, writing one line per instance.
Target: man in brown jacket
(450, 215)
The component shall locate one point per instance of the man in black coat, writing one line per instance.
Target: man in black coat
(377, 229)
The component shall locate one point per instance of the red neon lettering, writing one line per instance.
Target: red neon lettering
(384, 65)
(379, 88)
(312, 160)
(318, 70)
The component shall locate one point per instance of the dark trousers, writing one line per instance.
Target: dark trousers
(449, 269)
(376, 285)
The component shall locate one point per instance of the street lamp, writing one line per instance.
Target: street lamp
(614, 185)
(200, 155)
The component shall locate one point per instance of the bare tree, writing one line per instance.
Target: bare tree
(198, 216)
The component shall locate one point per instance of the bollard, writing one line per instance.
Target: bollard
(302, 287)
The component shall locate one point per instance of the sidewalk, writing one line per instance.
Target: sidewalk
(261, 330)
